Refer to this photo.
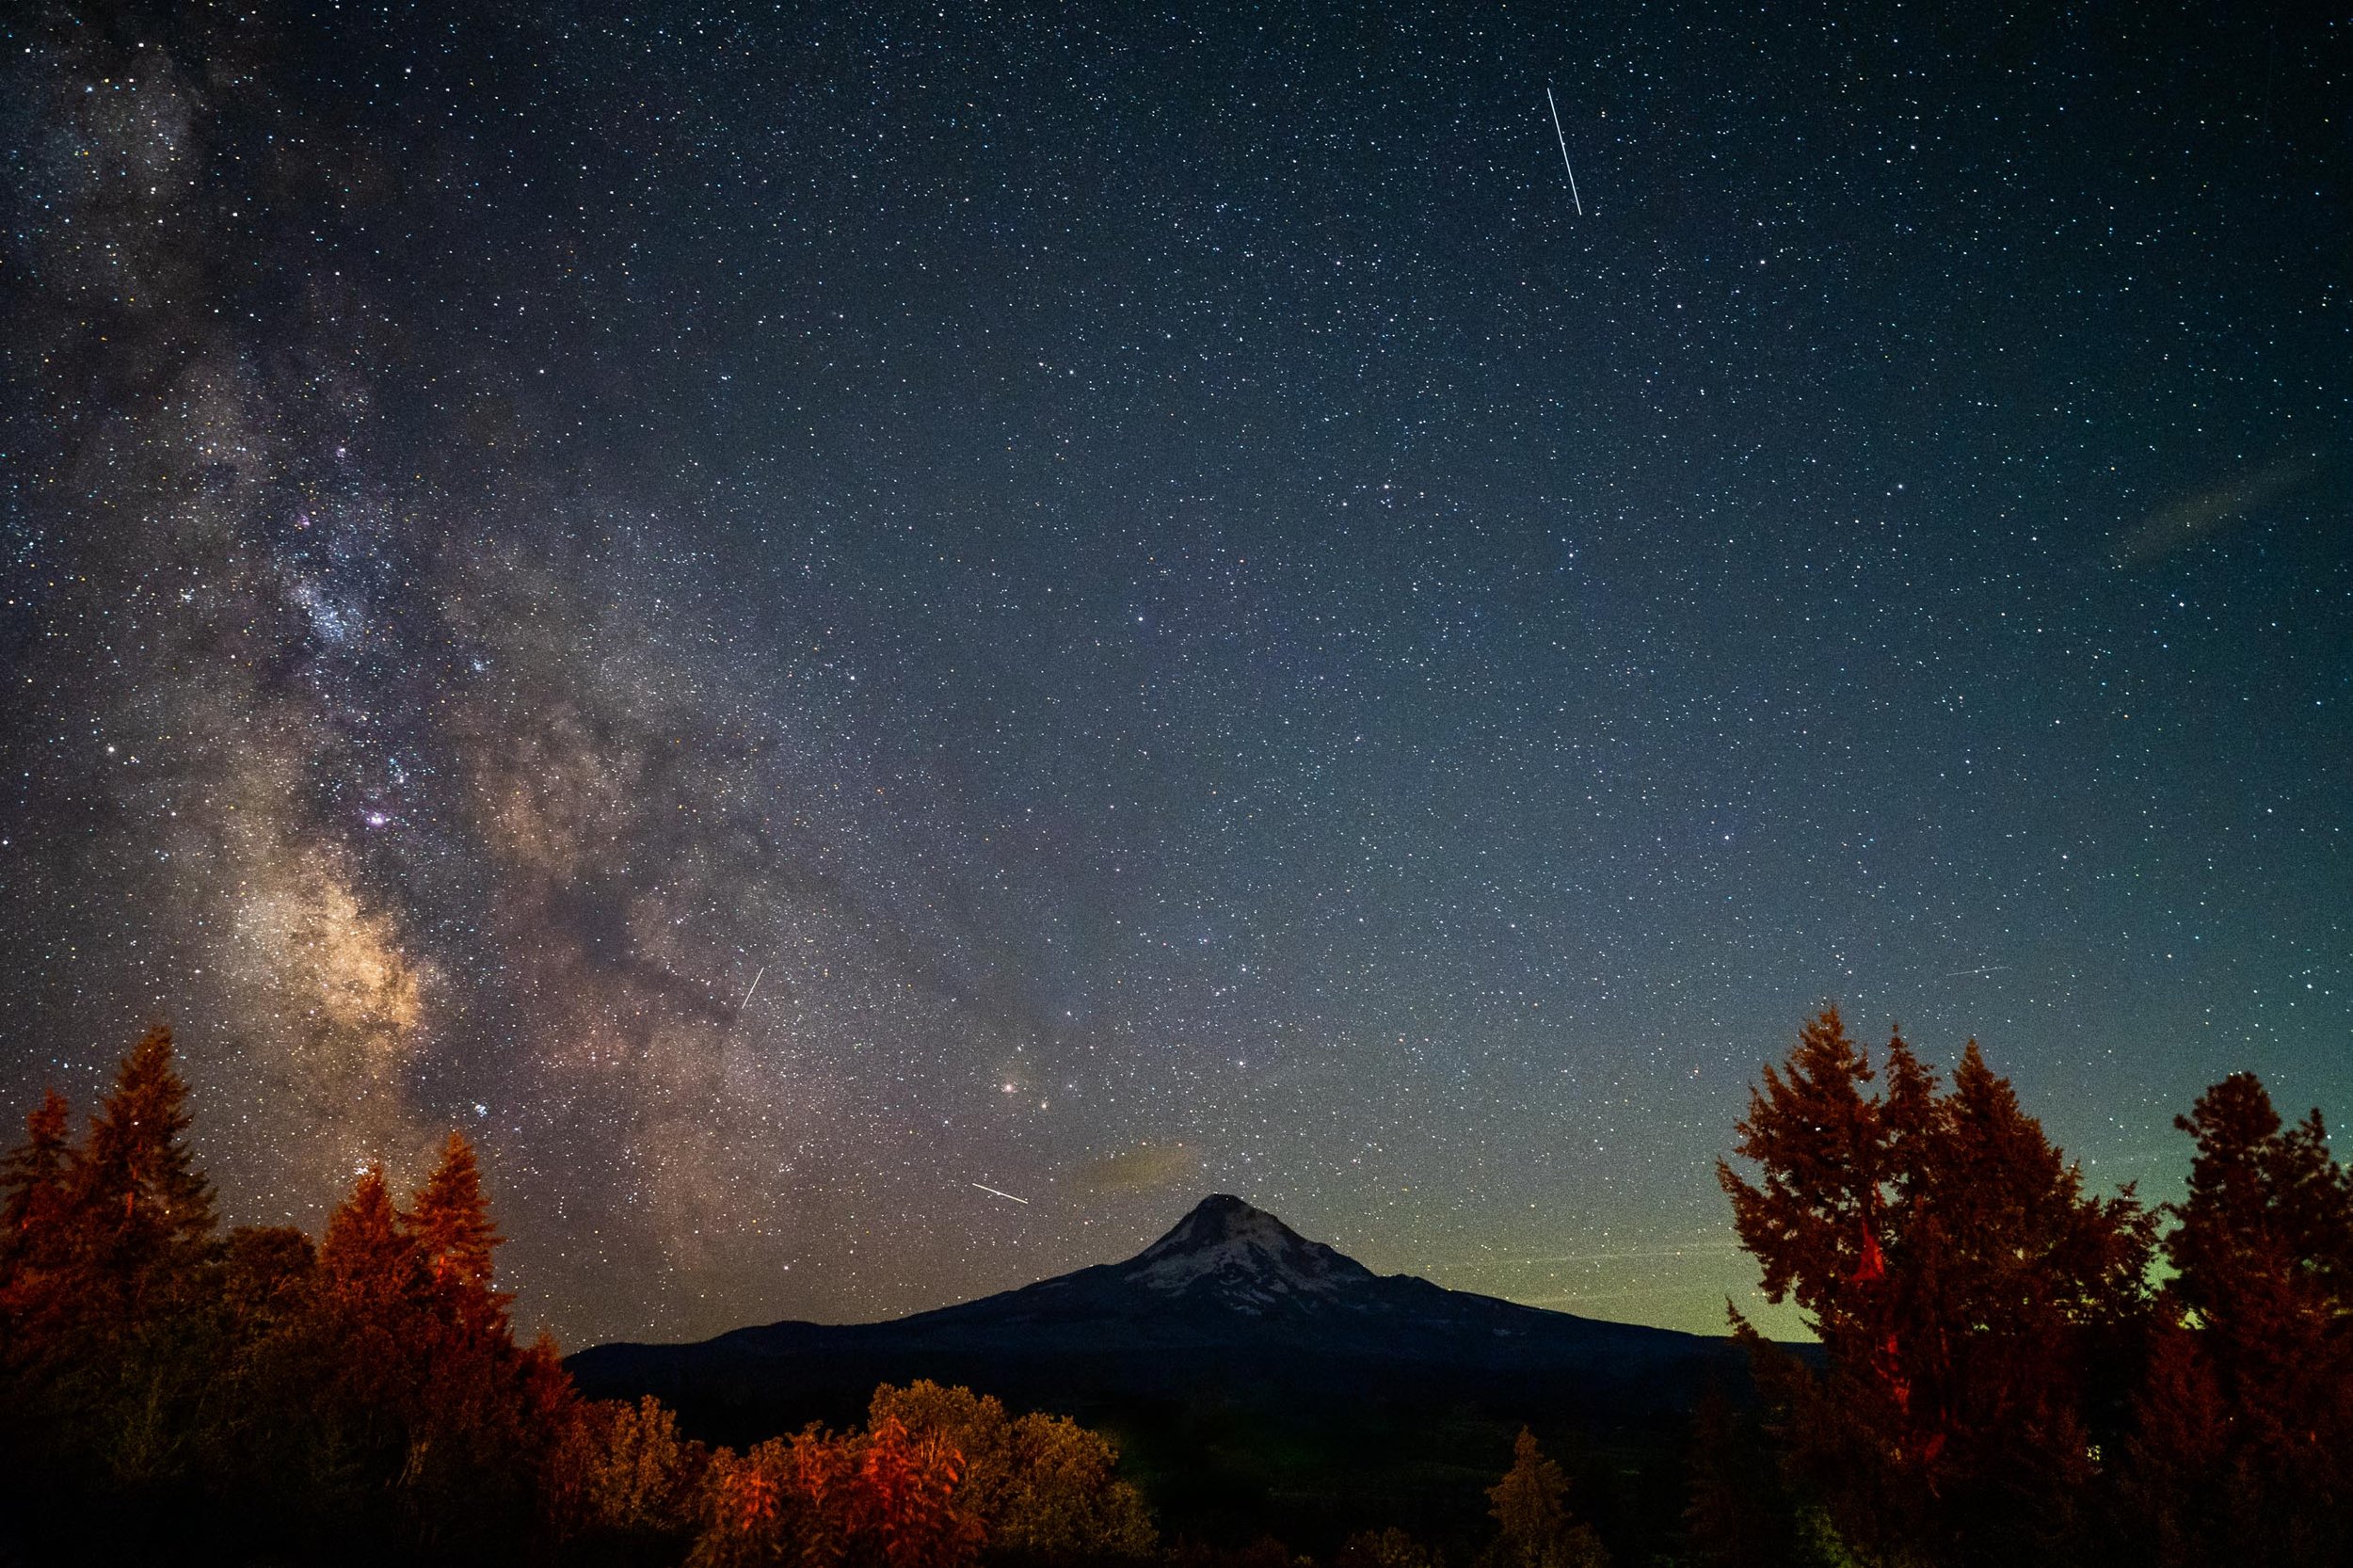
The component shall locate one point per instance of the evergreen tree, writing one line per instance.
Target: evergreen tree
(142, 1202)
(39, 1302)
(2245, 1450)
(1961, 1283)
(33, 1181)
(254, 1397)
(36, 1233)
(368, 1261)
(448, 1218)
(114, 1329)
(1533, 1525)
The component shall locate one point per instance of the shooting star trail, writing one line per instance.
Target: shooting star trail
(1564, 152)
(1972, 974)
(749, 989)
(985, 1188)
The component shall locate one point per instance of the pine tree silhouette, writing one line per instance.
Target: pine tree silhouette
(33, 1191)
(1533, 1525)
(2244, 1450)
(365, 1256)
(1961, 1282)
(140, 1200)
(449, 1221)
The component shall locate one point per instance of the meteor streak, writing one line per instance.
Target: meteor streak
(1564, 152)
(985, 1188)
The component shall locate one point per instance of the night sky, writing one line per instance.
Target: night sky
(1145, 587)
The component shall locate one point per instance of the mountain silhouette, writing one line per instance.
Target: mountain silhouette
(1231, 1307)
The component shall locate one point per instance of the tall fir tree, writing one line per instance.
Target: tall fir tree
(38, 1294)
(142, 1202)
(2245, 1449)
(365, 1255)
(449, 1220)
(369, 1319)
(33, 1190)
(1534, 1527)
(1961, 1282)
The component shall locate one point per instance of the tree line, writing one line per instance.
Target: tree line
(2010, 1369)
(173, 1391)
(2013, 1369)
(169, 1390)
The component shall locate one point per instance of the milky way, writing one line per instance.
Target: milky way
(1191, 621)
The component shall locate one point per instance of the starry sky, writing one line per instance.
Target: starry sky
(788, 613)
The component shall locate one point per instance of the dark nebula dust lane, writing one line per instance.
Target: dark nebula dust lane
(800, 617)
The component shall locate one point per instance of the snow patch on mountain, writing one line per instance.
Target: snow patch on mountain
(1246, 1255)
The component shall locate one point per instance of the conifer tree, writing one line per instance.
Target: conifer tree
(113, 1334)
(1961, 1283)
(33, 1197)
(33, 1180)
(1533, 1525)
(37, 1293)
(449, 1221)
(369, 1331)
(2246, 1441)
(140, 1200)
(365, 1258)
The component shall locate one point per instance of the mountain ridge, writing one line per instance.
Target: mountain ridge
(1230, 1303)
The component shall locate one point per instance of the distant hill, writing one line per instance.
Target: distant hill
(1260, 1379)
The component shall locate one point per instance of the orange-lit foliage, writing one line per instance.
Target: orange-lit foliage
(368, 1389)
(881, 1498)
(256, 1396)
(1534, 1527)
(1045, 1488)
(904, 1500)
(623, 1470)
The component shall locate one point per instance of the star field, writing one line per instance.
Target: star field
(783, 612)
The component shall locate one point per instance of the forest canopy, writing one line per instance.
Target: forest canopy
(2011, 1368)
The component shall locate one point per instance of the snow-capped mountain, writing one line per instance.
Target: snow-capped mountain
(1243, 1256)
(1230, 1303)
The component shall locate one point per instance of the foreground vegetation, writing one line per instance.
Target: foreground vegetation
(2011, 1370)
(2003, 1381)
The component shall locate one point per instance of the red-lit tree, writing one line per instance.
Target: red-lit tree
(108, 1294)
(33, 1180)
(2245, 1452)
(1961, 1283)
(144, 1204)
(905, 1508)
(1044, 1488)
(36, 1198)
(449, 1221)
(37, 1295)
(291, 1400)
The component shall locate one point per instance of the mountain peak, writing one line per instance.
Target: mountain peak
(1214, 1219)
(1241, 1255)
